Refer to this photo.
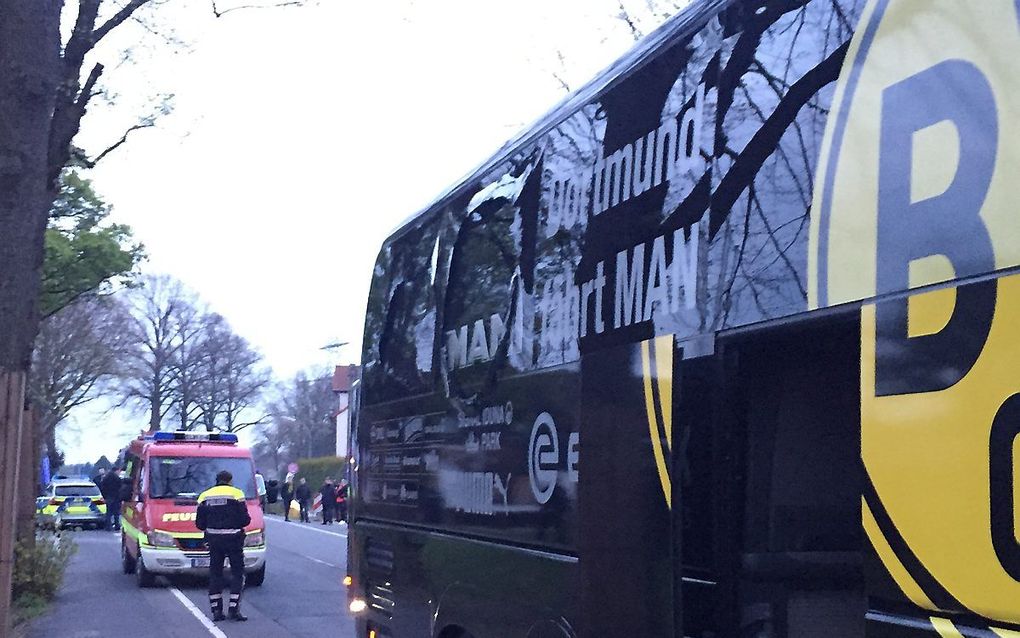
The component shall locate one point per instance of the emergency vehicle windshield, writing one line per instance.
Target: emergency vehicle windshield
(187, 477)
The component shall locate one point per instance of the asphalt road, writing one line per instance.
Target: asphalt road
(303, 595)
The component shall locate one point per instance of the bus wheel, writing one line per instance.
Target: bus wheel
(256, 578)
(127, 563)
(144, 576)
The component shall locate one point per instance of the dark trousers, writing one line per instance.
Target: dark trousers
(327, 515)
(230, 547)
(113, 515)
(341, 511)
(286, 506)
(304, 511)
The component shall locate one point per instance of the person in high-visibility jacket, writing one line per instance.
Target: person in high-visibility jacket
(223, 515)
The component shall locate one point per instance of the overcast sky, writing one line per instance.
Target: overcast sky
(300, 137)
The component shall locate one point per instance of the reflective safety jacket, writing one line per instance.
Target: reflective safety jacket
(222, 511)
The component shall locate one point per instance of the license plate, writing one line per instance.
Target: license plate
(200, 562)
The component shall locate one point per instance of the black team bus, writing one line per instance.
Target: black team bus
(726, 345)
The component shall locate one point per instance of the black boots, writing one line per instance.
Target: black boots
(216, 603)
(234, 611)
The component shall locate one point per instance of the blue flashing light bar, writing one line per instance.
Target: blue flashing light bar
(194, 437)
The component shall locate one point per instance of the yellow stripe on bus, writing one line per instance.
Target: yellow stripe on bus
(945, 627)
(653, 427)
(896, 569)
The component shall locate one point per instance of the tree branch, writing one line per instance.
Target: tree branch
(117, 19)
(220, 13)
(123, 139)
(624, 15)
(558, 76)
(81, 40)
(259, 421)
(86, 92)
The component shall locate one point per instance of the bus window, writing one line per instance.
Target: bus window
(490, 274)
(401, 317)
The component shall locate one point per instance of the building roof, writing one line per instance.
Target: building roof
(344, 377)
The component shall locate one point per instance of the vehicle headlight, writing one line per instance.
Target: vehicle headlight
(357, 605)
(255, 539)
(161, 539)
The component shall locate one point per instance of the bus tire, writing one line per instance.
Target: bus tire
(144, 576)
(256, 578)
(127, 562)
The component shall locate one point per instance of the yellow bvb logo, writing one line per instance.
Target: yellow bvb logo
(919, 185)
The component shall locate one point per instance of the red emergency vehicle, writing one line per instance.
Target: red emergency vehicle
(163, 475)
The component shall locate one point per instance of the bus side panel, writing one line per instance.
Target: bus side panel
(501, 465)
(420, 583)
(626, 547)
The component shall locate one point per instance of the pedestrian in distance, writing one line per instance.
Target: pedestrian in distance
(328, 493)
(286, 494)
(302, 494)
(223, 515)
(111, 489)
(341, 500)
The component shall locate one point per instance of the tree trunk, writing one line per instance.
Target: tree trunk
(28, 474)
(29, 52)
(155, 411)
(12, 408)
(47, 434)
(29, 56)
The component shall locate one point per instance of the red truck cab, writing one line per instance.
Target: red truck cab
(163, 475)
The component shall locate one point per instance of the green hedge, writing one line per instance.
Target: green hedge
(38, 572)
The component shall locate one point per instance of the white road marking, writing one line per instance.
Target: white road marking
(197, 613)
(322, 562)
(307, 526)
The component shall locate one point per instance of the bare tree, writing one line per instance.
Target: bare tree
(270, 447)
(185, 389)
(229, 379)
(304, 416)
(78, 351)
(45, 91)
(165, 319)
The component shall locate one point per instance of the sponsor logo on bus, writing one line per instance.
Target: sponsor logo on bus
(546, 463)
(918, 190)
(677, 147)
